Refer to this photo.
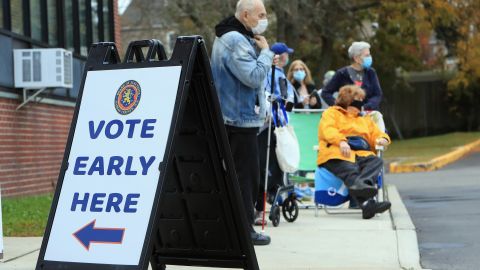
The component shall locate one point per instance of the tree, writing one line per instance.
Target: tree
(460, 27)
(320, 31)
(312, 27)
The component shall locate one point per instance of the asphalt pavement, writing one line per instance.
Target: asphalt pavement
(445, 208)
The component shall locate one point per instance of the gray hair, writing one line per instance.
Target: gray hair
(357, 47)
(245, 5)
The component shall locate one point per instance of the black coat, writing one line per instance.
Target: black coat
(312, 91)
(370, 84)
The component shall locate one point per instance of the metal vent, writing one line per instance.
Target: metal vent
(26, 70)
(37, 66)
(67, 65)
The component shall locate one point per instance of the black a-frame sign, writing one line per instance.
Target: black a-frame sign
(147, 176)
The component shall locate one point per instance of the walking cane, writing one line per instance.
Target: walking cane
(272, 85)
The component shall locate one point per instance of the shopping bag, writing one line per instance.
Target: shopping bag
(287, 150)
(329, 189)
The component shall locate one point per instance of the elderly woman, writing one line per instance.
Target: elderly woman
(346, 143)
(360, 73)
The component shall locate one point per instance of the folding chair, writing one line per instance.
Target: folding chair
(305, 122)
(331, 191)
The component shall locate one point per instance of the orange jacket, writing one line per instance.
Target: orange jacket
(336, 124)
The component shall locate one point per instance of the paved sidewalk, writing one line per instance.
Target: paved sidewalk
(333, 242)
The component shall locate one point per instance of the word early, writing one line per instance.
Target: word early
(119, 133)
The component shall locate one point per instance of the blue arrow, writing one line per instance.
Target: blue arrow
(89, 234)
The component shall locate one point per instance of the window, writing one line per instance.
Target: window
(1, 14)
(83, 27)
(68, 25)
(35, 20)
(106, 21)
(17, 16)
(95, 37)
(52, 23)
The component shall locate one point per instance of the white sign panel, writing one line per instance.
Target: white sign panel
(109, 187)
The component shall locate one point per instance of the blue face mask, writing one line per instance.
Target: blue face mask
(299, 75)
(367, 62)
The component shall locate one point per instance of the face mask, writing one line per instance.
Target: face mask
(357, 104)
(261, 27)
(367, 62)
(299, 75)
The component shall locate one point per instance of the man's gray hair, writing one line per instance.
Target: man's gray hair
(357, 47)
(243, 5)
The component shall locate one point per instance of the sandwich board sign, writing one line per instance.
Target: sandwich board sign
(147, 175)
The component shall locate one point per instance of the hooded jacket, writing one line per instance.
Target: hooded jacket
(239, 72)
(336, 124)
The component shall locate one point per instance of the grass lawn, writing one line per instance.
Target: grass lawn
(427, 148)
(25, 216)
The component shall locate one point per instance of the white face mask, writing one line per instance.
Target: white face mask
(261, 27)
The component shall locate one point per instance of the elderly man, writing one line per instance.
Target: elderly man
(240, 61)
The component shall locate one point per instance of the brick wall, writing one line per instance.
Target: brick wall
(32, 142)
(117, 26)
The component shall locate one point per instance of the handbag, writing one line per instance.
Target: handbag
(358, 143)
(287, 149)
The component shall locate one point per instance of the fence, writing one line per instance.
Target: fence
(422, 109)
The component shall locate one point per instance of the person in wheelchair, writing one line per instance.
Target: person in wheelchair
(347, 141)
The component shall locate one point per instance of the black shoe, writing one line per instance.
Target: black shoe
(360, 190)
(371, 207)
(382, 206)
(260, 239)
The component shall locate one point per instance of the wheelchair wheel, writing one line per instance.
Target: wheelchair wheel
(290, 209)
(275, 215)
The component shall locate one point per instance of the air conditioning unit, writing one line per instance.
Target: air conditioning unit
(41, 68)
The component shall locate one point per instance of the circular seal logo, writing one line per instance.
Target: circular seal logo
(128, 97)
(332, 191)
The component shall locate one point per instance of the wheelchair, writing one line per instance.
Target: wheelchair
(330, 192)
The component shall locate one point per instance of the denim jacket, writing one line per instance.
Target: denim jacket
(239, 73)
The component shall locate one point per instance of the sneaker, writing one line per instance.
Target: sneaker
(259, 218)
(260, 239)
(299, 193)
(307, 191)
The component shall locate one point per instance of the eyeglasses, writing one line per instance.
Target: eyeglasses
(298, 69)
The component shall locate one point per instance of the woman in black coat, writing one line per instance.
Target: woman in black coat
(306, 96)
